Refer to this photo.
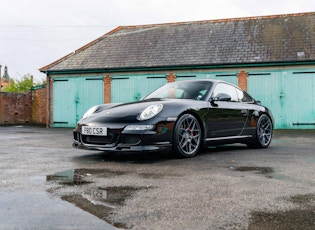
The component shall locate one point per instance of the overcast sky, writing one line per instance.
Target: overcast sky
(34, 33)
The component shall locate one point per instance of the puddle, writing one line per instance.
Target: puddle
(41, 210)
(69, 177)
(100, 172)
(102, 201)
(153, 175)
(113, 196)
(303, 200)
(280, 177)
(267, 171)
(299, 218)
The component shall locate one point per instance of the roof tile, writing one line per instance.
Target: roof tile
(279, 38)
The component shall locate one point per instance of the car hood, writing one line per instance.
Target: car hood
(128, 112)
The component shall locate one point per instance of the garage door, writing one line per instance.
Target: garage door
(289, 95)
(299, 100)
(73, 96)
(224, 76)
(133, 88)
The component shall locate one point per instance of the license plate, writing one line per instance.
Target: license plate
(96, 131)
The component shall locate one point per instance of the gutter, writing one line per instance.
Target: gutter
(182, 67)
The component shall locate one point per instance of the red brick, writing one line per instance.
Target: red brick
(171, 77)
(107, 89)
(242, 80)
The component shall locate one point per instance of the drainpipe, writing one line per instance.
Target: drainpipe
(48, 100)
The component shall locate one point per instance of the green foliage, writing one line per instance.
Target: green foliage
(23, 85)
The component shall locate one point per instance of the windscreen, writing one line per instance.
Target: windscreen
(195, 90)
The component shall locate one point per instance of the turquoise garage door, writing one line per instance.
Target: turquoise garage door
(133, 88)
(72, 97)
(289, 94)
(224, 76)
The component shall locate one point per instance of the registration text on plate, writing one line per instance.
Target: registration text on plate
(97, 131)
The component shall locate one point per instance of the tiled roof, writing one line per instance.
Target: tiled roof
(268, 39)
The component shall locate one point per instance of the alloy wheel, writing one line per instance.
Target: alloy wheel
(187, 136)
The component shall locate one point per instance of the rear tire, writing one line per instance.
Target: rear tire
(264, 129)
(187, 136)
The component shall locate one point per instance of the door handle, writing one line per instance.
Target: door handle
(77, 99)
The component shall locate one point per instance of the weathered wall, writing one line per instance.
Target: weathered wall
(15, 108)
(39, 106)
(24, 108)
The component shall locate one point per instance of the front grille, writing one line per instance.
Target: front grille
(113, 138)
(99, 140)
(130, 139)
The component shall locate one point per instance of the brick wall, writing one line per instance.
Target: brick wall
(24, 108)
(171, 77)
(39, 106)
(242, 80)
(107, 89)
(15, 108)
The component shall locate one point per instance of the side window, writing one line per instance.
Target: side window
(227, 89)
(243, 97)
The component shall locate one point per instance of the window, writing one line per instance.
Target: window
(172, 92)
(227, 89)
(243, 97)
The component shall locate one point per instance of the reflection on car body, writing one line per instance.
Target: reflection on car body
(180, 116)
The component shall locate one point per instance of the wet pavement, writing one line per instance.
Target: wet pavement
(41, 210)
(46, 184)
(27, 156)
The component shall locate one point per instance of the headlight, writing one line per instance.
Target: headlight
(139, 127)
(90, 111)
(150, 112)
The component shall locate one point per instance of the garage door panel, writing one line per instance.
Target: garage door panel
(152, 84)
(300, 98)
(121, 89)
(63, 110)
(266, 88)
(73, 96)
(90, 93)
(133, 88)
(288, 94)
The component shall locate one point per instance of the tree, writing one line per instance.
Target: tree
(23, 85)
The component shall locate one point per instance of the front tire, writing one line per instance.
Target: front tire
(264, 129)
(187, 136)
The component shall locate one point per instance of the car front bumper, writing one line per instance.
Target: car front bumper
(118, 139)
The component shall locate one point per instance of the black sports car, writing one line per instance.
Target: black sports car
(181, 116)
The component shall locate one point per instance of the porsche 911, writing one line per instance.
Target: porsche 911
(181, 116)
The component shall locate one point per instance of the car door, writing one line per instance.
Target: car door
(227, 115)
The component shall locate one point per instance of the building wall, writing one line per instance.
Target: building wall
(15, 108)
(4, 83)
(39, 106)
(271, 85)
(24, 108)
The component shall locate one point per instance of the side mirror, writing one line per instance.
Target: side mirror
(222, 97)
